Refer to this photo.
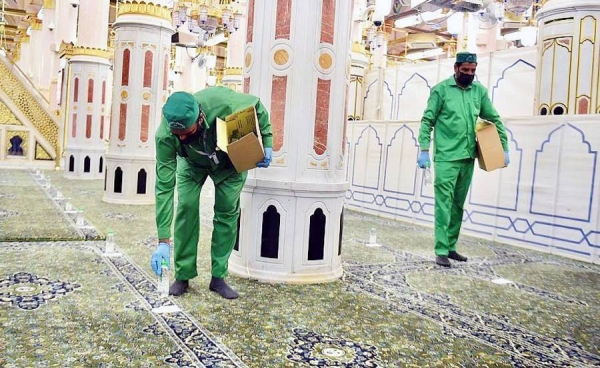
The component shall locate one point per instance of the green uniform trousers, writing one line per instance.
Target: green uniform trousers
(187, 221)
(452, 181)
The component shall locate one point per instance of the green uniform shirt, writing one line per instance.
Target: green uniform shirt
(452, 113)
(170, 153)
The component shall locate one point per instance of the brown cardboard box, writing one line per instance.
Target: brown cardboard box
(239, 136)
(490, 153)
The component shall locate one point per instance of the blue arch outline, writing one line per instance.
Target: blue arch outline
(404, 86)
(595, 153)
(354, 158)
(367, 96)
(504, 74)
(387, 160)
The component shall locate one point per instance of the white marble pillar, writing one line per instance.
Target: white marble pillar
(141, 65)
(232, 76)
(568, 76)
(88, 99)
(296, 61)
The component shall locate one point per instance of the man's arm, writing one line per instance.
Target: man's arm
(434, 104)
(489, 113)
(264, 125)
(166, 167)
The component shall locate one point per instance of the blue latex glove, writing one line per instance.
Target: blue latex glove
(268, 156)
(423, 161)
(506, 158)
(162, 252)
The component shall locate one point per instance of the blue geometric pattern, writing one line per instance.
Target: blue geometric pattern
(519, 61)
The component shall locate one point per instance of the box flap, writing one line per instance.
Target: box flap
(222, 136)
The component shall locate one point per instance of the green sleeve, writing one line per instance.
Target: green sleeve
(434, 104)
(264, 125)
(489, 113)
(166, 167)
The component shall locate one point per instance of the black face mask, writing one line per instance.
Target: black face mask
(192, 137)
(464, 79)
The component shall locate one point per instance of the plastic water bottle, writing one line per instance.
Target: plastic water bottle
(68, 205)
(163, 280)
(372, 236)
(80, 220)
(110, 242)
(427, 175)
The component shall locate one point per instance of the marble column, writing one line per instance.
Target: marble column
(232, 76)
(296, 61)
(141, 65)
(568, 77)
(87, 104)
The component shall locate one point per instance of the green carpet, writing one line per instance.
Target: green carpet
(27, 213)
(392, 308)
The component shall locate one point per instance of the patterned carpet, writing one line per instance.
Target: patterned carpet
(64, 303)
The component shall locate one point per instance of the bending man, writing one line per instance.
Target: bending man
(187, 154)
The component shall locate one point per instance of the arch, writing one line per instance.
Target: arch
(371, 153)
(86, 164)
(71, 163)
(400, 173)
(316, 235)
(269, 239)
(118, 181)
(567, 193)
(101, 164)
(142, 177)
(415, 76)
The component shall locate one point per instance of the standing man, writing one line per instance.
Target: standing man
(452, 111)
(186, 149)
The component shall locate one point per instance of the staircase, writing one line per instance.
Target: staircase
(30, 134)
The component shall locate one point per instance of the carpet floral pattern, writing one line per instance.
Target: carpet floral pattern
(65, 303)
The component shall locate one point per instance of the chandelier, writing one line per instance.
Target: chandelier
(209, 17)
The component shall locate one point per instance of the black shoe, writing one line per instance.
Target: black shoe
(442, 261)
(220, 286)
(457, 257)
(178, 287)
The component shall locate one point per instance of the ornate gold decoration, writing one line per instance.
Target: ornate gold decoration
(325, 61)
(281, 57)
(248, 60)
(358, 48)
(124, 95)
(145, 95)
(7, 117)
(23, 134)
(143, 8)
(68, 50)
(233, 71)
(25, 39)
(41, 119)
(35, 23)
(49, 4)
(40, 153)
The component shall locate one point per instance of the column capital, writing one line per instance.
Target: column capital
(141, 8)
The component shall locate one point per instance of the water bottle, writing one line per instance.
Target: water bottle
(372, 236)
(110, 242)
(427, 175)
(80, 220)
(163, 280)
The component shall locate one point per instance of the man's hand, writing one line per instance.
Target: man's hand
(423, 161)
(267, 160)
(506, 158)
(162, 252)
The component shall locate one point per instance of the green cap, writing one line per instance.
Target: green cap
(181, 110)
(466, 57)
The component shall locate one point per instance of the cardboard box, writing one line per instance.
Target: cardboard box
(239, 136)
(490, 153)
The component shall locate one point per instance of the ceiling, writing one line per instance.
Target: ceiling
(411, 37)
